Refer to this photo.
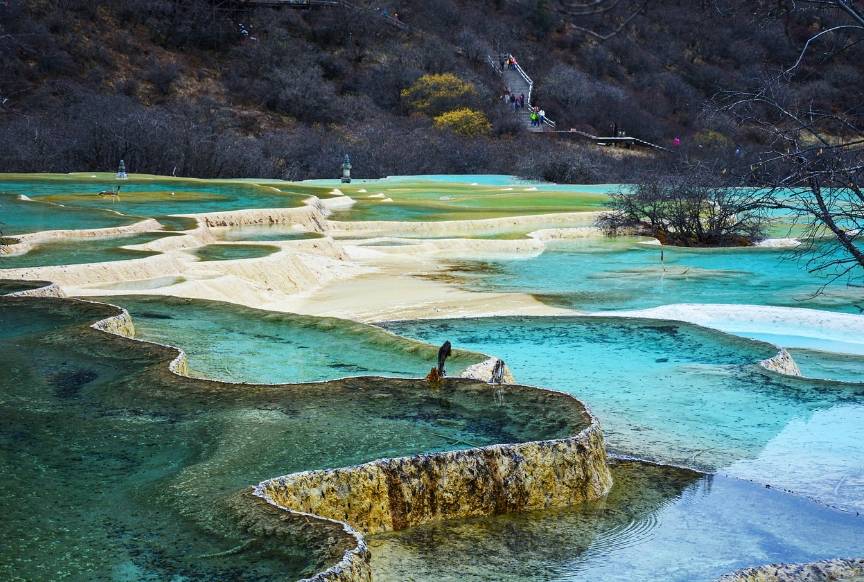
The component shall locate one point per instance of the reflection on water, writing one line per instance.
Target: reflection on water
(231, 342)
(681, 394)
(115, 469)
(658, 523)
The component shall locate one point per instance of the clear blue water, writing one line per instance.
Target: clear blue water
(681, 394)
(622, 274)
(478, 179)
(231, 342)
(657, 524)
(152, 198)
(18, 216)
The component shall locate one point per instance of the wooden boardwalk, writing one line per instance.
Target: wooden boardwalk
(625, 141)
(519, 83)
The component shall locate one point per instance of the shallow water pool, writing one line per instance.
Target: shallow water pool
(623, 274)
(116, 469)
(239, 344)
(77, 251)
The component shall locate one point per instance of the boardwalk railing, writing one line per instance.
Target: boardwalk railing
(625, 140)
(522, 73)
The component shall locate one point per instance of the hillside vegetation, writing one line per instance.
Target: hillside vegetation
(219, 88)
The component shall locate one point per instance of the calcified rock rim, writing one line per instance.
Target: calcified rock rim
(355, 562)
(838, 569)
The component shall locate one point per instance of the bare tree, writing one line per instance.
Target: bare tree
(812, 157)
(688, 208)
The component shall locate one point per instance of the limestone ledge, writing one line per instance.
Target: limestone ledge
(462, 228)
(312, 215)
(482, 371)
(782, 363)
(122, 325)
(394, 494)
(49, 290)
(813, 572)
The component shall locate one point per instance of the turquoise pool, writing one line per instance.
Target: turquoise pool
(624, 274)
(682, 394)
(116, 469)
(77, 251)
(73, 203)
(231, 342)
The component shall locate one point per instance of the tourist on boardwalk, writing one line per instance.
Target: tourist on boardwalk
(542, 115)
(535, 119)
(522, 101)
(676, 142)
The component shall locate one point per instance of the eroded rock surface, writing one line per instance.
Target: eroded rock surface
(782, 363)
(393, 494)
(849, 570)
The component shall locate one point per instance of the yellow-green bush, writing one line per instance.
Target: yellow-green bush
(464, 121)
(435, 94)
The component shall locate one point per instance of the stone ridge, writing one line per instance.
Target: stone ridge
(49, 290)
(393, 494)
(812, 572)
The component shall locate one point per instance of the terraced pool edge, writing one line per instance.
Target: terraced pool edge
(518, 467)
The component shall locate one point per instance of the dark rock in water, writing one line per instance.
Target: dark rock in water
(661, 360)
(443, 354)
(69, 384)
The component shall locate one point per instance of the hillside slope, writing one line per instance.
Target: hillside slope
(221, 88)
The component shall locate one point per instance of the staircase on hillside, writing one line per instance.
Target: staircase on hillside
(519, 83)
